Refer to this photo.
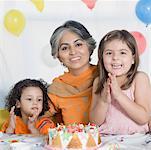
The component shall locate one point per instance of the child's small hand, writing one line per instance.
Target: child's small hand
(107, 92)
(32, 121)
(114, 86)
(12, 121)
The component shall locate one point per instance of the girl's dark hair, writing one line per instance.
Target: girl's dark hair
(16, 92)
(76, 28)
(126, 37)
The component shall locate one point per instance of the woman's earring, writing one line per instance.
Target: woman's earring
(62, 64)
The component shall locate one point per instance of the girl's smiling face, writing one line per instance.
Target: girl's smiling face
(117, 57)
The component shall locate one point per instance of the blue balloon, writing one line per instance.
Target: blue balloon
(143, 11)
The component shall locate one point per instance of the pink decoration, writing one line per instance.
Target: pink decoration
(141, 41)
(90, 3)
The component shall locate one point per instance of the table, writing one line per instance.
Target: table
(22, 142)
(126, 142)
(109, 142)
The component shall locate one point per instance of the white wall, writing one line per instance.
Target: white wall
(29, 55)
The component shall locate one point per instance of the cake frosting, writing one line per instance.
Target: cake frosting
(74, 136)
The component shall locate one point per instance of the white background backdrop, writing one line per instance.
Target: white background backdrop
(29, 55)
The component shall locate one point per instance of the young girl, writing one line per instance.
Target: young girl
(121, 94)
(27, 103)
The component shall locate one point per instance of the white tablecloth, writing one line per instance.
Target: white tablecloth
(109, 142)
(21, 142)
(126, 142)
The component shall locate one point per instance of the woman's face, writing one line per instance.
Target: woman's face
(74, 53)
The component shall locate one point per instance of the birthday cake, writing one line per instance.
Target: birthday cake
(74, 136)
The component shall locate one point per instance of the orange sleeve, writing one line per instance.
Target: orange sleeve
(21, 127)
(4, 126)
(55, 112)
(44, 124)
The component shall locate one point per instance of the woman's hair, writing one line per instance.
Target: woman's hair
(126, 37)
(16, 92)
(76, 28)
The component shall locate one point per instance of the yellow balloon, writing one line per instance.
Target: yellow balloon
(39, 4)
(14, 22)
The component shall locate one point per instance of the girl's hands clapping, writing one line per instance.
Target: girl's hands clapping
(114, 86)
(12, 121)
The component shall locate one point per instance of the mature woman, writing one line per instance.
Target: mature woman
(71, 92)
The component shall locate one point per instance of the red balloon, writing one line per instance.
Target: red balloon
(140, 40)
(90, 3)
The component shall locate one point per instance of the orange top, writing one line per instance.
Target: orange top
(42, 125)
(73, 95)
